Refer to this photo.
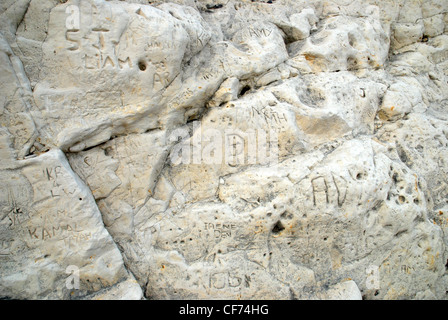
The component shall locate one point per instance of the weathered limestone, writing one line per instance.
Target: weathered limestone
(241, 150)
(49, 223)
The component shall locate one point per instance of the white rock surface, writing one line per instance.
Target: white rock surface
(238, 150)
(347, 290)
(49, 223)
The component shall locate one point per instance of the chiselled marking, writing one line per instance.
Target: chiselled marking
(234, 281)
(259, 32)
(52, 173)
(247, 281)
(54, 194)
(200, 38)
(207, 76)
(222, 280)
(68, 192)
(363, 94)
(32, 233)
(154, 44)
(218, 280)
(220, 230)
(50, 232)
(371, 112)
(91, 62)
(407, 269)
(87, 161)
(17, 215)
(268, 115)
(341, 188)
(124, 62)
(105, 51)
(107, 61)
(73, 40)
(5, 247)
(162, 79)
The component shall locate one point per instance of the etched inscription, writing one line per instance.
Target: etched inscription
(259, 32)
(99, 51)
(270, 116)
(341, 187)
(220, 230)
(331, 189)
(223, 280)
(51, 175)
(49, 232)
(5, 246)
(18, 213)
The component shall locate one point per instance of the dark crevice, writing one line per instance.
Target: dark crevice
(244, 90)
(278, 227)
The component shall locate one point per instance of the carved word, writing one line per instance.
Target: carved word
(222, 280)
(45, 233)
(259, 32)
(327, 190)
(99, 51)
(269, 115)
(220, 230)
(18, 214)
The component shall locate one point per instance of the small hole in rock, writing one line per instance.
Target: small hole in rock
(278, 227)
(141, 65)
(244, 90)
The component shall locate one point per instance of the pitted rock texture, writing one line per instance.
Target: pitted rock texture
(199, 149)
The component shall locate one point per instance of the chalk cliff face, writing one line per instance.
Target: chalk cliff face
(283, 149)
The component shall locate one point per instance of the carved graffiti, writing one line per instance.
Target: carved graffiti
(269, 115)
(259, 32)
(49, 232)
(222, 280)
(331, 189)
(220, 230)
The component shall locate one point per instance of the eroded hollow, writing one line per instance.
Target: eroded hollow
(244, 90)
(278, 227)
(142, 65)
